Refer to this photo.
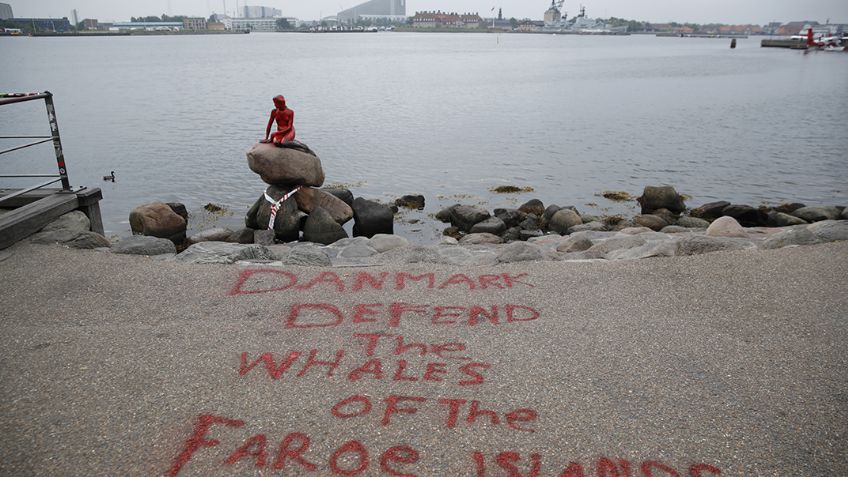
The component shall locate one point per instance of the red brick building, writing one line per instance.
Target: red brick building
(446, 20)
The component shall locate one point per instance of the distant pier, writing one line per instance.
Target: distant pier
(784, 43)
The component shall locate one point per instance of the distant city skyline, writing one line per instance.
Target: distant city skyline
(692, 11)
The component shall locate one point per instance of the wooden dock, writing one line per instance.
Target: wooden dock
(784, 43)
(31, 211)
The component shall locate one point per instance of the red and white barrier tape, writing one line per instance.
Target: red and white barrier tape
(275, 205)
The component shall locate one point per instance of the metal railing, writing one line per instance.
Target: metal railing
(62, 176)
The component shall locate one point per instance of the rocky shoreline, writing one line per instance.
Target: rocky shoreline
(297, 222)
(474, 237)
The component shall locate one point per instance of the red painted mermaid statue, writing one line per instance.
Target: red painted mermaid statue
(285, 123)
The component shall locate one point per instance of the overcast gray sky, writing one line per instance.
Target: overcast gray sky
(696, 11)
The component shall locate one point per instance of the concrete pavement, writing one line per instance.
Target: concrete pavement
(720, 364)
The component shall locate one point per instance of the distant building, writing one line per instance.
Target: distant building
(793, 28)
(260, 12)
(216, 26)
(90, 24)
(45, 24)
(194, 23)
(390, 10)
(161, 26)
(530, 25)
(252, 24)
(6, 12)
(740, 29)
(446, 20)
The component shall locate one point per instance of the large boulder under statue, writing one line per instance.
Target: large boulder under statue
(291, 163)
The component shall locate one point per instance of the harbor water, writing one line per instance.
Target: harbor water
(449, 116)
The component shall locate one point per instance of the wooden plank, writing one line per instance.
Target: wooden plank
(27, 198)
(29, 219)
(89, 203)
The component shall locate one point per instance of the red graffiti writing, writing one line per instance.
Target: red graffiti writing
(400, 345)
(292, 453)
(326, 315)
(255, 281)
(517, 465)
(451, 412)
(468, 374)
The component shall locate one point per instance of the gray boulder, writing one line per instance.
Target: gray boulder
(307, 255)
(243, 235)
(746, 215)
(54, 236)
(788, 208)
(830, 230)
(345, 195)
(663, 248)
(285, 166)
(218, 234)
(817, 213)
(666, 215)
(662, 197)
(287, 220)
(529, 234)
(780, 219)
(620, 242)
(574, 243)
(534, 207)
(634, 230)
(480, 238)
(709, 211)
(250, 219)
(281, 251)
(549, 212)
(520, 252)
(179, 209)
(511, 234)
(75, 222)
(532, 222)
(844, 215)
(799, 235)
(699, 244)
(653, 222)
(412, 201)
(158, 220)
(357, 250)
(144, 245)
(692, 222)
(510, 217)
(492, 225)
(309, 199)
(321, 227)
(264, 237)
(371, 218)
(592, 226)
(88, 240)
(674, 229)
(564, 219)
(223, 253)
(384, 242)
(466, 216)
(726, 227)
(444, 215)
